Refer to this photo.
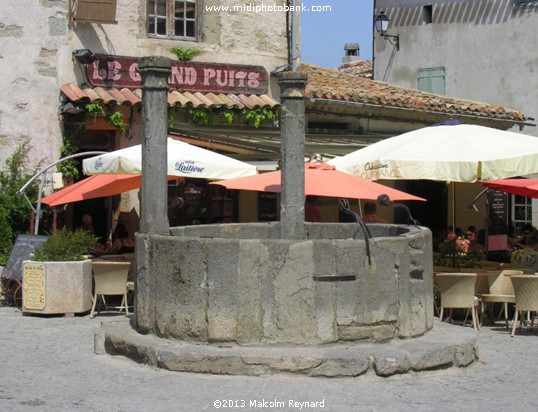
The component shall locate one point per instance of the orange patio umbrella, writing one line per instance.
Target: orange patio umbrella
(95, 186)
(321, 179)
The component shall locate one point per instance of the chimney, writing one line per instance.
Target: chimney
(351, 53)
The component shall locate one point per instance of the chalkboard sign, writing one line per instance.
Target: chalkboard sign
(24, 245)
(498, 221)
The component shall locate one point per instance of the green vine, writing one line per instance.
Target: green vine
(258, 115)
(73, 132)
(227, 115)
(185, 55)
(200, 115)
(206, 116)
(95, 108)
(69, 168)
(114, 118)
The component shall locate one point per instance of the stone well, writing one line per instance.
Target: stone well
(264, 298)
(241, 283)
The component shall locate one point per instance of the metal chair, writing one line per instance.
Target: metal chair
(526, 293)
(458, 292)
(110, 279)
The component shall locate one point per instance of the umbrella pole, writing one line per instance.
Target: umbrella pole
(453, 206)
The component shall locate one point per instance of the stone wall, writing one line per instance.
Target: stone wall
(240, 283)
(33, 41)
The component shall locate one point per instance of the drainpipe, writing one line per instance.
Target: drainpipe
(294, 37)
(373, 40)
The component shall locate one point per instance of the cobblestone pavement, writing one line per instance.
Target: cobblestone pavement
(48, 364)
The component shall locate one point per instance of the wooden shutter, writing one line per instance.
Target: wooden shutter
(96, 11)
(432, 80)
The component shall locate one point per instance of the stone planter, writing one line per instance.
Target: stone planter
(57, 287)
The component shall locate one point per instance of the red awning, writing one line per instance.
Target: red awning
(521, 187)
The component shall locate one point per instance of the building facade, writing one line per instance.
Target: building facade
(477, 50)
(38, 41)
(70, 74)
(65, 66)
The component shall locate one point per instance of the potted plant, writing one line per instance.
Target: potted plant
(58, 278)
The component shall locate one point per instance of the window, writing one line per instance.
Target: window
(172, 18)
(521, 212)
(427, 14)
(432, 80)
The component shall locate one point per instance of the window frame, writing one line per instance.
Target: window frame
(524, 204)
(171, 19)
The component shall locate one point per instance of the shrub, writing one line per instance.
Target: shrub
(185, 55)
(15, 216)
(6, 236)
(66, 245)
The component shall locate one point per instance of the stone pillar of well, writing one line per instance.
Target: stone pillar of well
(292, 135)
(154, 215)
(153, 201)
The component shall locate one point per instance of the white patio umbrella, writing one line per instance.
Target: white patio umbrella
(451, 153)
(183, 160)
(454, 153)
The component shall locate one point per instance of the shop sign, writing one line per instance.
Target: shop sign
(120, 72)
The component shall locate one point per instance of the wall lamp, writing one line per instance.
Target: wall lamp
(381, 25)
(84, 56)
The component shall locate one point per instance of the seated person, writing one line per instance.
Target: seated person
(86, 225)
(476, 248)
(369, 215)
(521, 240)
(311, 211)
(122, 243)
(527, 258)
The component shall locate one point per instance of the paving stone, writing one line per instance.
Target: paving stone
(49, 362)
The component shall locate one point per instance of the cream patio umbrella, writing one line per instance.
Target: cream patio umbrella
(453, 153)
(183, 160)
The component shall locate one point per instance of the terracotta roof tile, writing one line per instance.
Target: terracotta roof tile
(175, 98)
(338, 85)
(363, 68)
(72, 92)
(131, 97)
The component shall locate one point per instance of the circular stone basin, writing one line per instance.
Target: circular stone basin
(241, 283)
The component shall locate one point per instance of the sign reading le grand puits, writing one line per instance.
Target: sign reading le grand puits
(120, 72)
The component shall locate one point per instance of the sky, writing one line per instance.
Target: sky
(324, 33)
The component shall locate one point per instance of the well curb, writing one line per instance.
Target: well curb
(444, 346)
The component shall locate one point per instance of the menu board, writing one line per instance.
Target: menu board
(23, 247)
(498, 221)
(33, 286)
